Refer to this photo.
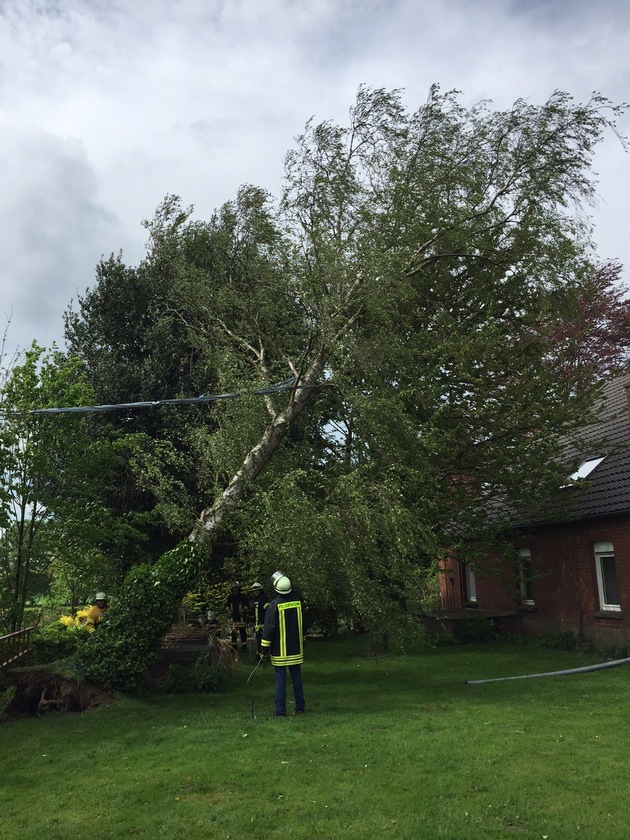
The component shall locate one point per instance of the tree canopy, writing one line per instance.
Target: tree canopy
(414, 277)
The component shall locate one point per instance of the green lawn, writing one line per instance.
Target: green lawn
(397, 746)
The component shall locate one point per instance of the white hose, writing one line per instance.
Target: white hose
(613, 664)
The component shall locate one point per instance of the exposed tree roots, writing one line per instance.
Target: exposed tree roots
(39, 691)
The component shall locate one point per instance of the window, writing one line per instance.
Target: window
(525, 575)
(470, 587)
(586, 468)
(606, 576)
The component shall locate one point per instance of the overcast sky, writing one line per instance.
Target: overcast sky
(108, 105)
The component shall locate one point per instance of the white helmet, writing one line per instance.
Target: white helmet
(275, 576)
(282, 585)
(100, 596)
(256, 586)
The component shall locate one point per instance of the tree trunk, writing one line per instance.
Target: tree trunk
(257, 458)
(128, 630)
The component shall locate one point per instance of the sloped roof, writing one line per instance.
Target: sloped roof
(606, 491)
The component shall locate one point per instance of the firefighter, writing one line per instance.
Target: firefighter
(259, 605)
(283, 639)
(97, 611)
(236, 607)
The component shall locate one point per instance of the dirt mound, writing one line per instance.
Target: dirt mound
(39, 691)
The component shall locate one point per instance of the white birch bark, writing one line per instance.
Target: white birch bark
(259, 456)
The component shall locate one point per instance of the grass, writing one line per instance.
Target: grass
(397, 746)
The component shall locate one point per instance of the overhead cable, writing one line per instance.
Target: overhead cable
(286, 385)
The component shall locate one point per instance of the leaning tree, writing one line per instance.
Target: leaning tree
(410, 282)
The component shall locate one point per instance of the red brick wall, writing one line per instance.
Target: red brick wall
(564, 582)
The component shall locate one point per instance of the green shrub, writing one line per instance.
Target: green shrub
(475, 630)
(201, 676)
(207, 595)
(611, 652)
(53, 642)
(6, 698)
(566, 641)
(321, 620)
(117, 655)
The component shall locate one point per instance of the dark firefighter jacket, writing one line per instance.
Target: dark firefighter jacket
(259, 605)
(236, 606)
(282, 634)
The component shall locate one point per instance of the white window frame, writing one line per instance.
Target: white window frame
(604, 550)
(470, 584)
(525, 582)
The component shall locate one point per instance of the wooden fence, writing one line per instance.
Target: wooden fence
(15, 645)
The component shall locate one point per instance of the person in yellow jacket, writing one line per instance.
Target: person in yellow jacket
(283, 639)
(97, 611)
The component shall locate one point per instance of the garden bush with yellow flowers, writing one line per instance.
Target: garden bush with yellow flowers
(72, 622)
(58, 639)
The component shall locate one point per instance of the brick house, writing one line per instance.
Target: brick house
(571, 573)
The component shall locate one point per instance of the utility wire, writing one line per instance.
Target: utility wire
(286, 385)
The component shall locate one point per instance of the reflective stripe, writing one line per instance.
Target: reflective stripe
(279, 661)
(282, 656)
(282, 630)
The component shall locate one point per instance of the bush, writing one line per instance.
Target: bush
(6, 698)
(55, 641)
(567, 641)
(200, 677)
(206, 595)
(117, 656)
(475, 630)
(611, 652)
(321, 620)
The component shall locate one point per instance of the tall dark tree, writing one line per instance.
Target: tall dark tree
(135, 347)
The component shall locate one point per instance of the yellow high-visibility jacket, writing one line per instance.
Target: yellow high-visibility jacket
(93, 617)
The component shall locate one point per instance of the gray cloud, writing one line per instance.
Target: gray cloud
(53, 231)
(107, 106)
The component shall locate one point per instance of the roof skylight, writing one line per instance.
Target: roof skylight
(586, 468)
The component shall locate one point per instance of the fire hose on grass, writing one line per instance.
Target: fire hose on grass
(262, 660)
(584, 670)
